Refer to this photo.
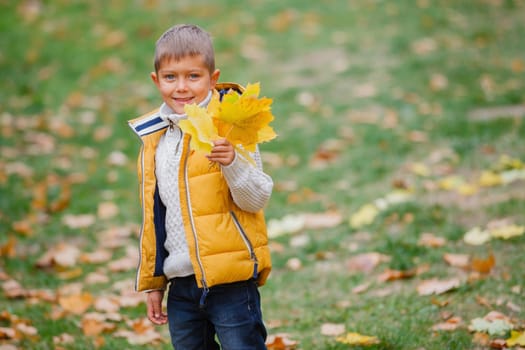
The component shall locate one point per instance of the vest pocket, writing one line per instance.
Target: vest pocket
(247, 242)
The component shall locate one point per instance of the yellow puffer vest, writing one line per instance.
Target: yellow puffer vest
(226, 244)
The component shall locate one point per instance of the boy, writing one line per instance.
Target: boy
(203, 227)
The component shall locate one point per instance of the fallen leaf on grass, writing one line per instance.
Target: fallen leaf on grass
(13, 289)
(64, 338)
(449, 325)
(297, 222)
(358, 339)
(142, 332)
(392, 275)
(62, 255)
(490, 179)
(430, 240)
(78, 221)
(360, 288)
(516, 338)
(93, 326)
(483, 301)
(365, 262)
(317, 221)
(7, 333)
(492, 327)
(507, 232)
(483, 265)
(364, 216)
(457, 260)
(332, 329)
(477, 236)
(97, 257)
(9, 248)
(280, 341)
(76, 303)
(107, 210)
(494, 323)
(435, 286)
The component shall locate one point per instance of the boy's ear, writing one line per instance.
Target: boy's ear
(215, 78)
(155, 78)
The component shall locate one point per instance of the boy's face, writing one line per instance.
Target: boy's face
(185, 81)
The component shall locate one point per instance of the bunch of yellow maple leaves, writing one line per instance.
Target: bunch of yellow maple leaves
(242, 119)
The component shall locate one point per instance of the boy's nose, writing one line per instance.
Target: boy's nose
(181, 84)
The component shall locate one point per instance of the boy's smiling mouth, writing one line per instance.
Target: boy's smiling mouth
(183, 100)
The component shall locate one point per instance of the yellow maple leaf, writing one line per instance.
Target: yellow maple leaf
(244, 119)
(507, 232)
(200, 126)
(364, 216)
(357, 339)
(516, 338)
(477, 236)
(490, 179)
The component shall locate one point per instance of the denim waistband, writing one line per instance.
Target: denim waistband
(232, 284)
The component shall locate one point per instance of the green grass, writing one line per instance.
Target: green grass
(361, 73)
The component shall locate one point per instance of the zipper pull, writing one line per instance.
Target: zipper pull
(202, 302)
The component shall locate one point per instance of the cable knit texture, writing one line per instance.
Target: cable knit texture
(249, 186)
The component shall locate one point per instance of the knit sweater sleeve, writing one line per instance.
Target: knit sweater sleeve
(250, 187)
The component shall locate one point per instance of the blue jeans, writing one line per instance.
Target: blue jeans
(231, 313)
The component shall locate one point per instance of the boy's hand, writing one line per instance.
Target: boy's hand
(154, 304)
(222, 152)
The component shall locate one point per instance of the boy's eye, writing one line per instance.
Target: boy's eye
(169, 77)
(194, 76)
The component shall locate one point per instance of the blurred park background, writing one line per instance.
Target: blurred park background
(399, 199)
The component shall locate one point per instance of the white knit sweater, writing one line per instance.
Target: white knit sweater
(250, 188)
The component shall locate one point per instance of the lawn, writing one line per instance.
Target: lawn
(399, 168)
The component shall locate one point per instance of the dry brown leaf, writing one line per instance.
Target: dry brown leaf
(7, 333)
(451, 324)
(64, 338)
(327, 219)
(26, 329)
(282, 21)
(78, 221)
(13, 289)
(130, 298)
(483, 301)
(480, 338)
(71, 273)
(23, 227)
(9, 248)
(62, 255)
(107, 210)
(76, 303)
(392, 275)
(280, 341)
(457, 260)
(498, 344)
(432, 241)
(361, 288)
(365, 262)
(97, 257)
(435, 286)
(332, 329)
(97, 278)
(481, 265)
(106, 304)
(142, 332)
(92, 326)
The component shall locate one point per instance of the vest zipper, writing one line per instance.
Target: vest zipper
(194, 232)
(247, 242)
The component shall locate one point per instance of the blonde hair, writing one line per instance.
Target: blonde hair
(184, 40)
